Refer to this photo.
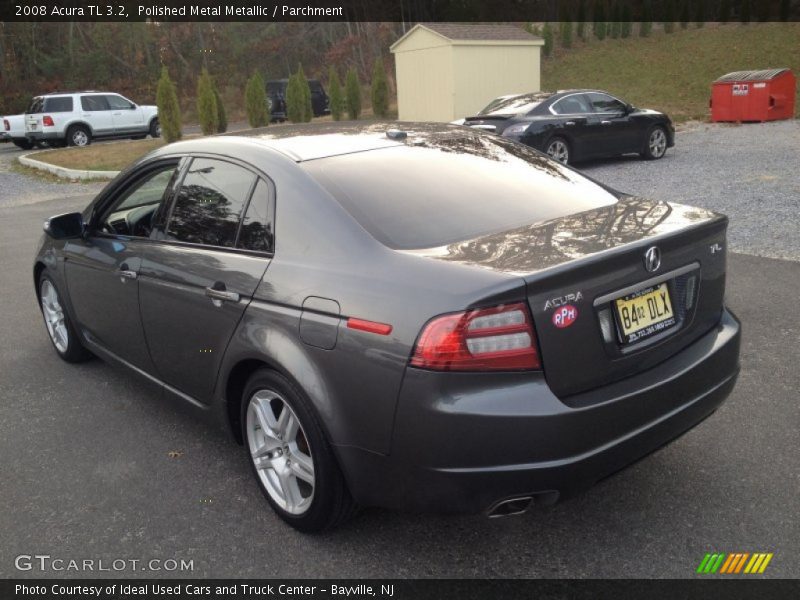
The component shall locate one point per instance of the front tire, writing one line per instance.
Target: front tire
(558, 149)
(155, 129)
(59, 326)
(655, 146)
(290, 455)
(78, 135)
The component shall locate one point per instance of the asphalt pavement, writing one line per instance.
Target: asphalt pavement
(95, 465)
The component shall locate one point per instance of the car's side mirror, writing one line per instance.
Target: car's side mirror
(629, 108)
(132, 106)
(64, 227)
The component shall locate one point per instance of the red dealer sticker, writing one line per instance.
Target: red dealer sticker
(565, 316)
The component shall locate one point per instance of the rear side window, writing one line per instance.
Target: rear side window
(58, 104)
(209, 205)
(434, 192)
(256, 232)
(94, 103)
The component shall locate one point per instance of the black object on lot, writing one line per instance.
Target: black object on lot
(576, 125)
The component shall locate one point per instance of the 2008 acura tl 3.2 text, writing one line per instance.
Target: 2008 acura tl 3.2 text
(430, 319)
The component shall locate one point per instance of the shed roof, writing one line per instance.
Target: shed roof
(476, 33)
(762, 75)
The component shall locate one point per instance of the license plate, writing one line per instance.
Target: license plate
(644, 313)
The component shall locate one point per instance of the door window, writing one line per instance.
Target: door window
(132, 213)
(603, 103)
(94, 103)
(118, 102)
(572, 105)
(256, 232)
(209, 205)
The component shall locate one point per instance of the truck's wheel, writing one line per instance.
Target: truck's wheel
(155, 128)
(23, 143)
(78, 135)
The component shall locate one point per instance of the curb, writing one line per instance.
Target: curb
(63, 172)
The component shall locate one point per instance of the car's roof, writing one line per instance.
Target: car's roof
(320, 140)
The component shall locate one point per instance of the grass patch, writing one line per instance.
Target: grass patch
(673, 72)
(111, 156)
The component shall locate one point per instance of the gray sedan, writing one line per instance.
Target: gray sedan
(425, 318)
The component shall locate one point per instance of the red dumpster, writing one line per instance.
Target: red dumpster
(753, 96)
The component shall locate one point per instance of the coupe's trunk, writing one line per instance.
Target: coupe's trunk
(576, 267)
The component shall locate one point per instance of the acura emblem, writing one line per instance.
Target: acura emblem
(652, 259)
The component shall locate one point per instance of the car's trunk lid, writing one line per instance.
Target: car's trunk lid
(577, 266)
(494, 123)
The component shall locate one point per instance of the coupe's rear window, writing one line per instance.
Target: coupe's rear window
(444, 191)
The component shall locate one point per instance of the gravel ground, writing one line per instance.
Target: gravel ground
(17, 189)
(749, 172)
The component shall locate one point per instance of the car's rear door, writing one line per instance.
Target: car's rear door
(102, 269)
(213, 248)
(575, 121)
(96, 111)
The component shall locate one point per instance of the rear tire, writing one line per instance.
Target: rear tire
(23, 143)
(558, 149)
(59, 326)
(655, 145)
(78, 135)
(155, 129)
(290, 456)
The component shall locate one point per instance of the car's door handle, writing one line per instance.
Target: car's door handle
(116, 114)
(605, 122)
(218, 294)
(86, 115)
(570, 123)
(125, 273)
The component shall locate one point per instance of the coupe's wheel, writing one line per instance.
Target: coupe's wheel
(558, 149)
(290, 456)
(59, 327)
(656, 145)
(155, 128)
(78, 135)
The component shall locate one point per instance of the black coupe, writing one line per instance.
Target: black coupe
(577, 124)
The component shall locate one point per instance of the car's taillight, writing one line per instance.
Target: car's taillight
(486, 339)
(6, 124)
(47, 121)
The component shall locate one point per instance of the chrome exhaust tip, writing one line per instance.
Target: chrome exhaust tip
(511, 506)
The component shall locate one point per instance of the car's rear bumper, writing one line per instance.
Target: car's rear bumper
(41, 135)
(463, 442)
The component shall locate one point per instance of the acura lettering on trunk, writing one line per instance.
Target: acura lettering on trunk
(360, 310)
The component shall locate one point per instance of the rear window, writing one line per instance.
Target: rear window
(58, 104)
(514, 105)
(449, 190)
(36, 105)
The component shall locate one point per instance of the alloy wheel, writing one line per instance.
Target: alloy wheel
(280, 451)
(657, 143)
(80, 138)
(559, 151)
(54, 316)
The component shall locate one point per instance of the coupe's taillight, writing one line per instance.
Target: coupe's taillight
(47, 121)
(487, 339)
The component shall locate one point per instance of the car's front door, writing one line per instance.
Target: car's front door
(213, 249)
(126, 115)
(616, 131)
(102, 268)
(96, 112)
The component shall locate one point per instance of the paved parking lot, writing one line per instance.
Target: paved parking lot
(95, 465)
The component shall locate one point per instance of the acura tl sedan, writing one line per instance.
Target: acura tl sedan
(576, 125)
(429, 318)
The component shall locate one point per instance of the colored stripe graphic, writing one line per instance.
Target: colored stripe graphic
(734, 563)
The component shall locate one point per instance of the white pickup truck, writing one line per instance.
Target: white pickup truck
(14, 130)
